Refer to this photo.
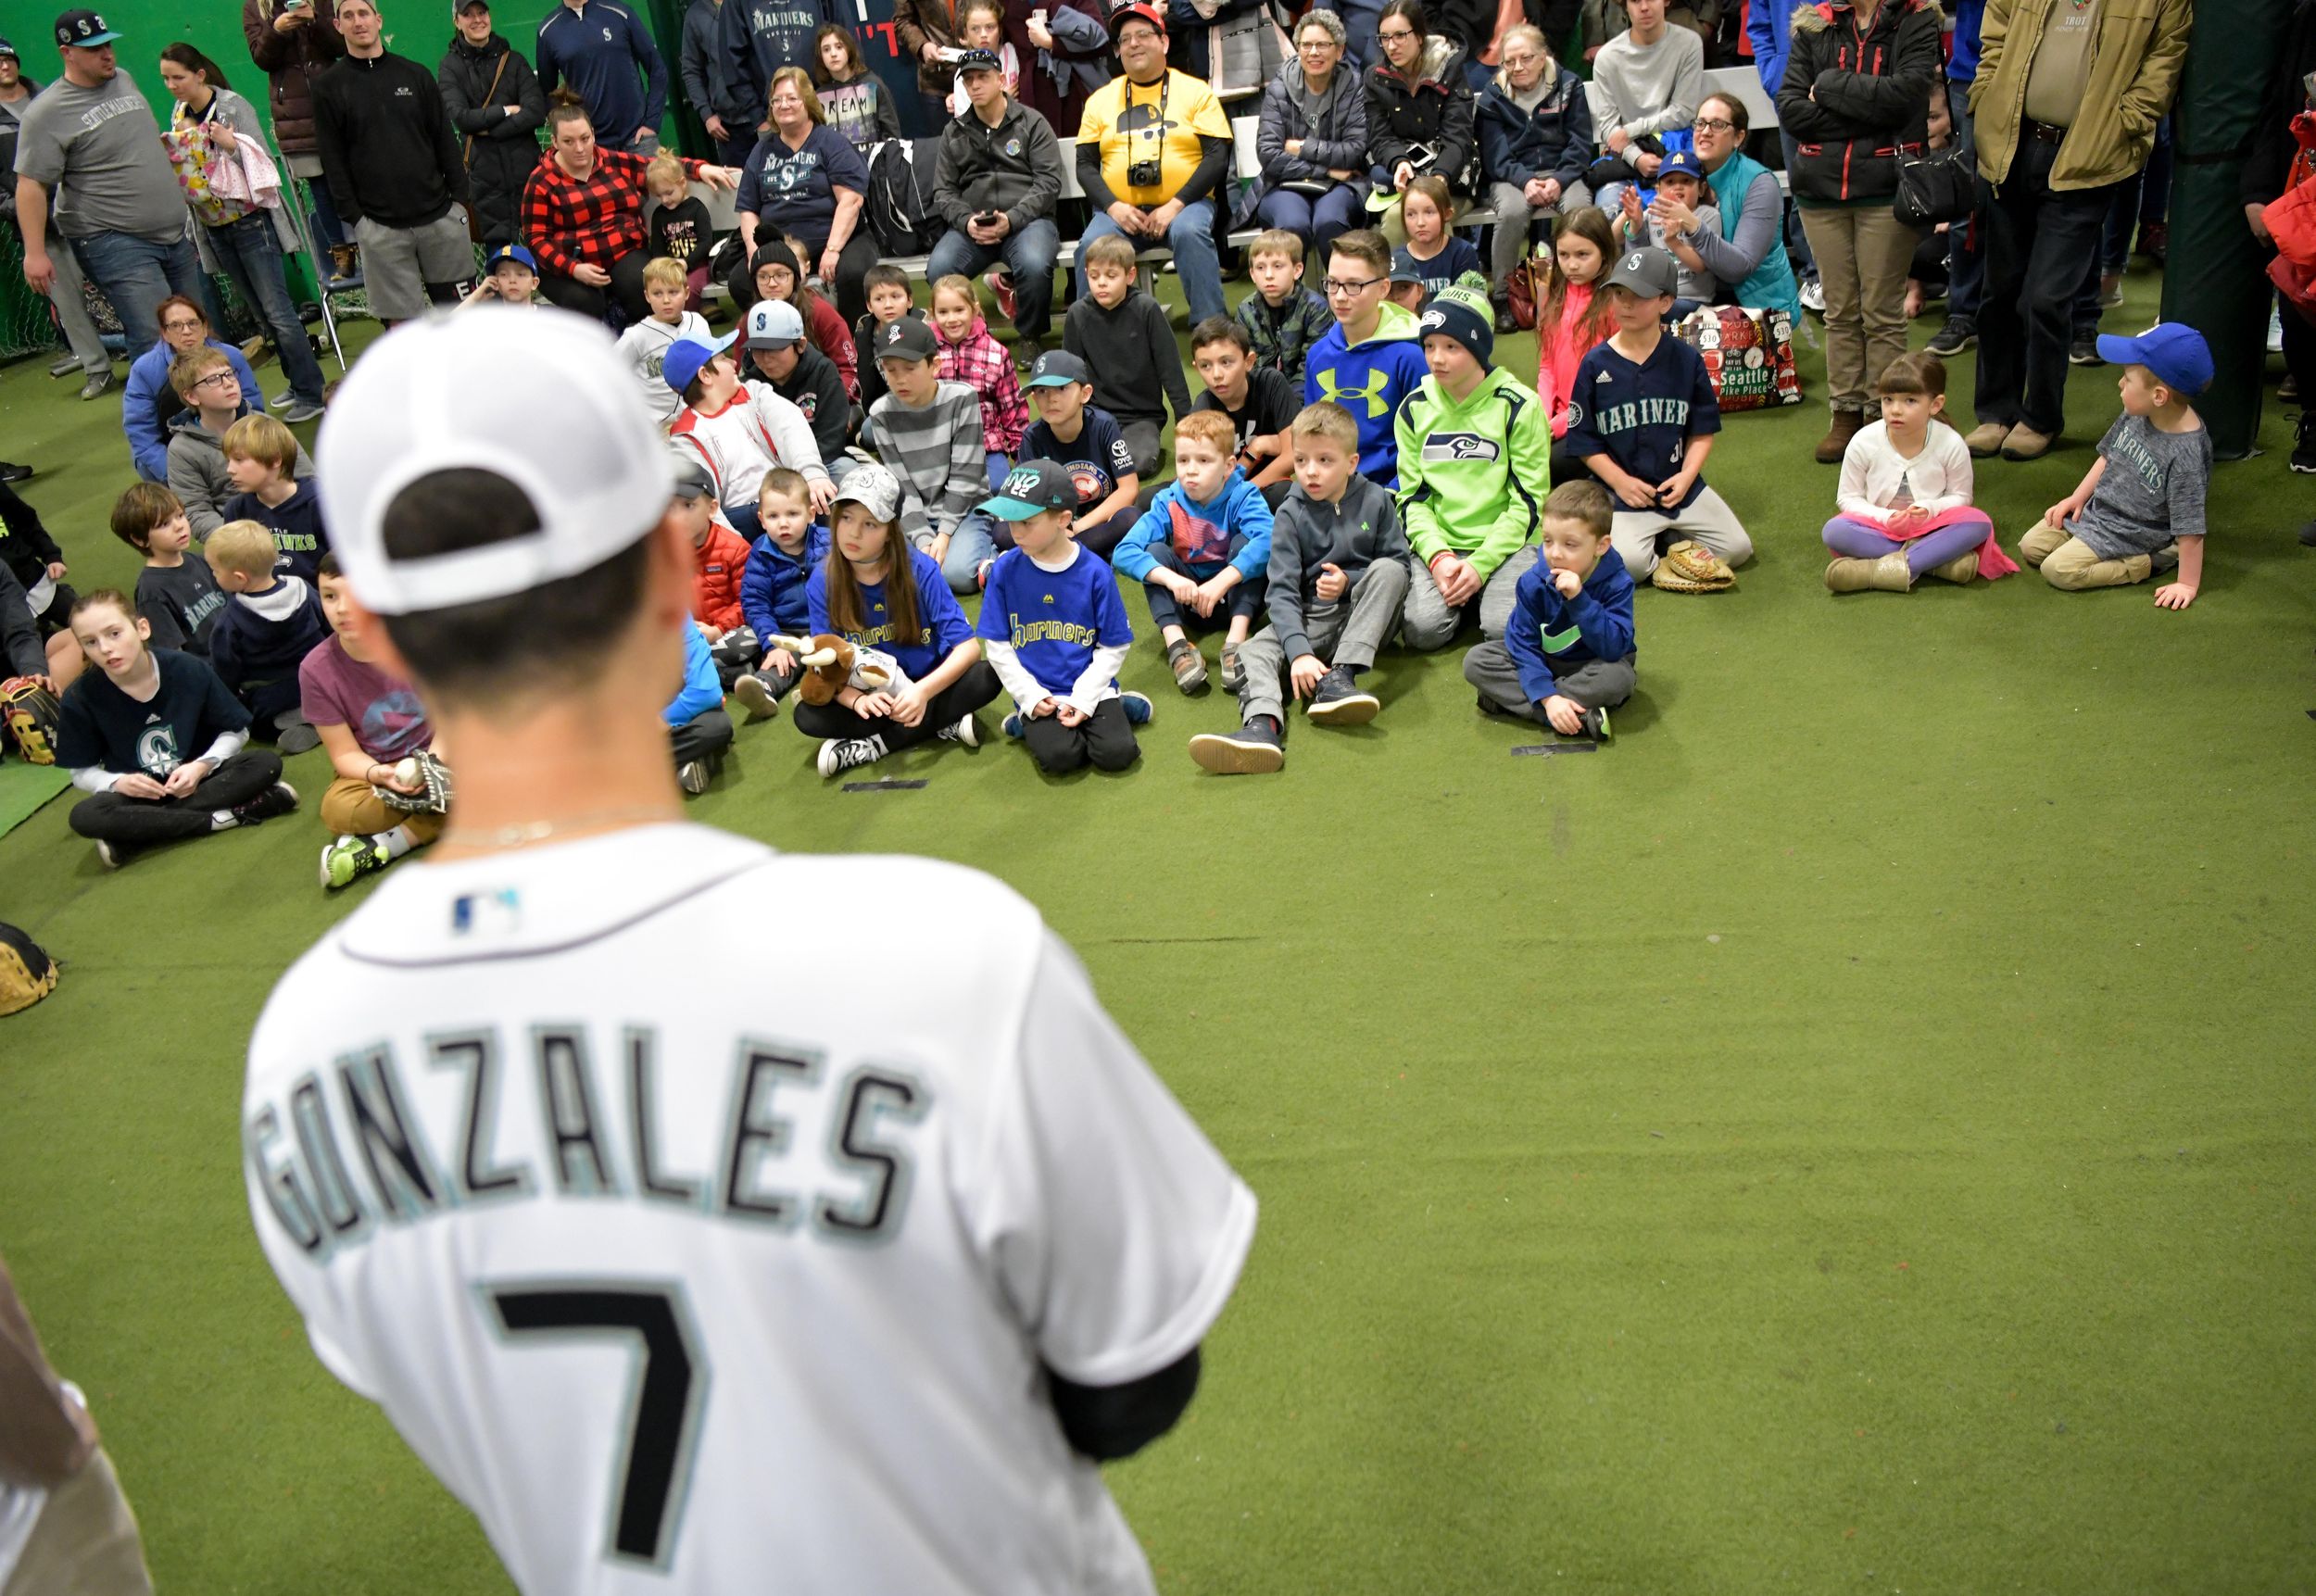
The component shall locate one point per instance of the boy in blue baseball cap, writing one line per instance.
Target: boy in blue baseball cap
(2140, 509)
(1680, 213)
(509, 277)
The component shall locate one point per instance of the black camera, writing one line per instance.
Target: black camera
(1142, 174)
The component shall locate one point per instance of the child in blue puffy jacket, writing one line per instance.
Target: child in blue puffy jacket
(772, 587)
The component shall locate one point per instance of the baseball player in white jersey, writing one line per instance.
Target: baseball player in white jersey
(686, 1270)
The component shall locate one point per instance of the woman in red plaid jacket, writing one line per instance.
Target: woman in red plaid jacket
(582, 216)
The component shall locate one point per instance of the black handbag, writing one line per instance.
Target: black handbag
(1939, 185)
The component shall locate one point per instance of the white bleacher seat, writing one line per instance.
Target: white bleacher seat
(1744, 85)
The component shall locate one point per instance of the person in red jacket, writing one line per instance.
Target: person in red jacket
(719, 558)
(582, 216)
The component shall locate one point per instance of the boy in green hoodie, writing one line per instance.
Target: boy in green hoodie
(1475, 463)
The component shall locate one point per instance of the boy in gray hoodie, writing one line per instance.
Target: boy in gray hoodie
(203, 378)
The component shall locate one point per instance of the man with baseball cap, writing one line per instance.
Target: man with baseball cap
(92, 131)
(732, 1264)
(66, 295)
(996, 183)
(1151, 154)
(803, 376)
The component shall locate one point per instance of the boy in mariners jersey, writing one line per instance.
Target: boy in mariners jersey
(1642, 418)
(1370, 360)
(177, 597)
(1475, 459)
(1074, 430)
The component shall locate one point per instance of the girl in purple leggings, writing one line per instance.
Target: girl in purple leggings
(1906, 494)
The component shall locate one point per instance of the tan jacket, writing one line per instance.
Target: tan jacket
(2137, 49)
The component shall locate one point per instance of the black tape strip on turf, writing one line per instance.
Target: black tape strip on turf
(882, 786)
(1557, 748)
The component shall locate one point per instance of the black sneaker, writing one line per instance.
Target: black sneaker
(1596, 724)
(1951, 340)
(2308, 535)
(2304, 444)
(1253, 749)
(280, 799)
(2084, 350)
(113, 855)
(1339, 702)
(839, 755)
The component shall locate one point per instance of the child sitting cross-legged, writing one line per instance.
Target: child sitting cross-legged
(261, 456)
(1566, 657)
(1906, 493)
(772, 589)
(1126, 341)
(2140, 509)
(1338, 581)
(177, 598)
(156, 741)
(645, 344)
(1204, 550)
(1054, 629)
(370, 720)
(264, 633)
(1085, 438)
(927, 431)
(970, 356)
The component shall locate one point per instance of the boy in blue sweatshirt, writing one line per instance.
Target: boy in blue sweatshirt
(1372, 359)
(772, 587)
(698, 731)
(1202, 548)
(261, 462)
(1566, 657)
(264, 633)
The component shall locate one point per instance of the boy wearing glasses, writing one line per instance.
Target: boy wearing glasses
(1371, 360)
(198, 474)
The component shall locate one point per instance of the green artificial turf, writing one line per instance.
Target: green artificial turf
(23, 789)
(1847, 1135)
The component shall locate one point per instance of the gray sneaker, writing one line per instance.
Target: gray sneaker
(96, 384)
(301, 411)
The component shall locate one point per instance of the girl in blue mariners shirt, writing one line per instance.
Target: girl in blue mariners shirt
(914, 620)
(1054, 629)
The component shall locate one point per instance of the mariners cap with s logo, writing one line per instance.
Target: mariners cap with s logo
(587, 456)
(1648, 271)
(83, 29)
(775, 324)
(1031, 487)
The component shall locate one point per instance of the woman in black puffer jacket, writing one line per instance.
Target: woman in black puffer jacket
(1855, 98)
(1417, 96)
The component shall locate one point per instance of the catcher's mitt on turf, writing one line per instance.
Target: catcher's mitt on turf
(31, 710)
(1689, 567)
(433, 778)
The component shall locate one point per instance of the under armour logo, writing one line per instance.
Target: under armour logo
(1371, 396)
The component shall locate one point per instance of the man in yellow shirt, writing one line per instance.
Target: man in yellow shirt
(1151, 155)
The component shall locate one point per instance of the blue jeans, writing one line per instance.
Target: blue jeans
(1028, 254)
(1318, 223)
(136, 274)
(252, 257)
(1192, 240)
(1966, 241)
(975, 540)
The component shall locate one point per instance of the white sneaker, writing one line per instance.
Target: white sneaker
(964, 731)
(1813, 298)
(840, 754)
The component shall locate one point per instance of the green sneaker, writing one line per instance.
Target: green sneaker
(349, 859)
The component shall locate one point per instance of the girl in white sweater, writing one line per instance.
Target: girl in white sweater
(1905, 510)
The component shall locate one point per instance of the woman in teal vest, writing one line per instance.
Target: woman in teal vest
(1749, 256)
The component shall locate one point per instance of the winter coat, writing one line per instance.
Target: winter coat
(1436, 111)
(2137, 52)
(500, 150)
(1014, 166)
(2274, 146)
(197, 474)
(1333, 126)
(1055, 82)
(917, 21)
(1856, 101)
(1555, 140)
(291, 61)
(148, 403)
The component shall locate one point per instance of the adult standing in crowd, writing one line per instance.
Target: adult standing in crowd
(1649, 79)
(1313, 140)
(294, 42)
(1857, 95)
(1419, 108)
(1966, 242)
(394, 168)
(497, 105)
(2066, 98)
(1748, 255)
(758, 37)
(66, 295)
(1151, 155)
(1535, 142)
(148, 403)
(583, 217)
(599, 49)
(2268, 174)
(1065, 58)
(805, 180)
(210, 133)
(996, 185)
(931, 33)
(700, 61)
(91, 132)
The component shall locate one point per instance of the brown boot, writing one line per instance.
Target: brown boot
(2025, 444)
(1888, 575)
(1961, 568)
(1836, 441)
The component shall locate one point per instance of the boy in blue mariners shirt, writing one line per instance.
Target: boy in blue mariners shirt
(772, 587)
(1372, 358)
(1054, 630)
(1203, 549)
(1642, 418)
(1566, 657)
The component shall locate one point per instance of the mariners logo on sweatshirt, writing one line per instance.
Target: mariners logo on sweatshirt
(1449, 448)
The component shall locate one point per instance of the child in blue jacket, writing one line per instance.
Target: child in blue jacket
(1204, 548)
(698, 730)
(772, 587)
(1566, 657)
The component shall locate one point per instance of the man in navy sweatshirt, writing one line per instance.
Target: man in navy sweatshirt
(599, 47)
(762, 37)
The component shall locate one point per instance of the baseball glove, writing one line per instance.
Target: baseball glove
(1689, 567)
(30, 708)
(433, 794)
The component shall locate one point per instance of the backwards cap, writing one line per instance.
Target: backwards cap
(589, 457)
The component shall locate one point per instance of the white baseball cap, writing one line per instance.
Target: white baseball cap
(576, 438)
(773, 322)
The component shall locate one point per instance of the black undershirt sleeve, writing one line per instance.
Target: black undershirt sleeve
(1108, 1422)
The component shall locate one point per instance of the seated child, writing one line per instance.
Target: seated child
(1474, 454)
(1261, 404)
(719, 555)
(679, 228)
(1202, 548)
(1566, 659)
(1572, 319)
(509, 277)
(1126, 343)
(156, 742)
(888, 289)
(1646, 419)
(1681, 181)
(38, 565)
(970, 356)
(2123, 524)
(1405, 289)
(1085, 438)
(260, 453)
(264, 633)
(369, 720)
(698, 729)
(877, 592)
(645, 344)
(1372, 359)
(928, 433)
(772, 589)
(1054, 630)
(777, 277)
(1338, 581)
(1283, 317)
(1438, 257)
(177, 598)
(203, 378)
(779, 357)
(741, 430)
(1906, 493)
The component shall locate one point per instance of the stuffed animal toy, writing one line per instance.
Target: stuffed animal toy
(831, 664)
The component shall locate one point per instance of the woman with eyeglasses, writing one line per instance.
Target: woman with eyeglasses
(1419, 111)
(1313, 141)
(149, 404)
(1535, 140)
(1747, 254)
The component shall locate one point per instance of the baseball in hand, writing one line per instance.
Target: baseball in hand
(405, 774)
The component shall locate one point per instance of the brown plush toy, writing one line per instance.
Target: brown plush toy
(831, 664)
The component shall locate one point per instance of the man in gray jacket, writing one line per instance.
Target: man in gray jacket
(996, 185)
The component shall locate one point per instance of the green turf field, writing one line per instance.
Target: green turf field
(1847, 1135)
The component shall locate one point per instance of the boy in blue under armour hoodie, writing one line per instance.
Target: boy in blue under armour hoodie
(1372, 359)
(1203, 549)
(1566, 657)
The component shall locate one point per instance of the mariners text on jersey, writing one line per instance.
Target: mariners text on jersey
(1641, 413)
